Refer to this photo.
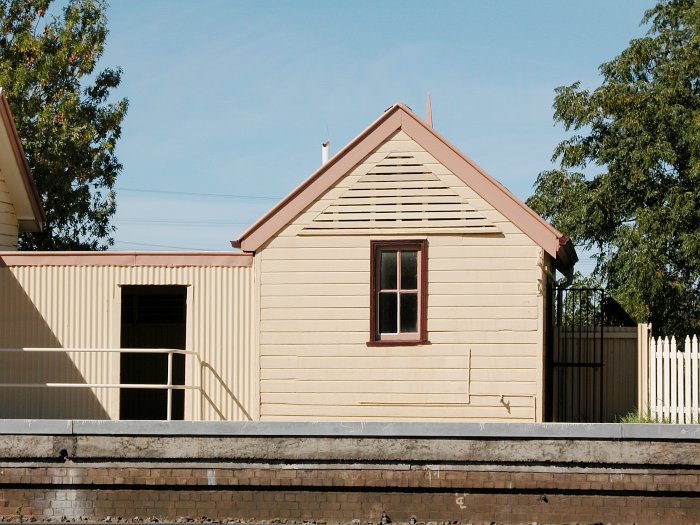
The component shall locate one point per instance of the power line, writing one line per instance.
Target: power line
(168, 222)
(117, 241)
(199, 194)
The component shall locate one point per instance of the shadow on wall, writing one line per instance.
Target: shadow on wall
(23, 326)
(209, 376)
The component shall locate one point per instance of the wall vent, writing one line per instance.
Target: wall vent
(399, 194)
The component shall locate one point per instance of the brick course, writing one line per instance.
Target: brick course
(345, 506)
(507, 494)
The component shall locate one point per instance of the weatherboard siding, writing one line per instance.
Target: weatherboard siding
(78, 307)
(9, 226)
(485, 320)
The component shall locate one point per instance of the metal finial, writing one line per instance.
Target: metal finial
(429, 112)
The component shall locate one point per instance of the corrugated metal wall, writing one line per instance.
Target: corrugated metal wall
(619, 372)
(580, 388)
(79, 307)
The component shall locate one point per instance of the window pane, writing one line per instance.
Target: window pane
(409, 312)
(387, 313)
(387, 271)
(409, 270)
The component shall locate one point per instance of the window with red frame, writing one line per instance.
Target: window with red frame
(398, 308)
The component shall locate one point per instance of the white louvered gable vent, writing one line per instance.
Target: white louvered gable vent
(399, 194)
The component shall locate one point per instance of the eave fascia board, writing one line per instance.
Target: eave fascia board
(125, 258)
(31, 215)
(488, 188)
(322, 179)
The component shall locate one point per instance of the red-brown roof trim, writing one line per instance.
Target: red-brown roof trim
(400, 117)
(322, 179)
(221, 259)
(21, 160)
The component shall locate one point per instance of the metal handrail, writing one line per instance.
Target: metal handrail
(169, 386)
(104, 350)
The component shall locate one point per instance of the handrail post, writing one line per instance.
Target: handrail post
(170, 386)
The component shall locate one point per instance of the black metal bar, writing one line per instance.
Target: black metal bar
(561, 376)
(578, 414)
(583, 349)
(602, 349)
(575, 355)
(579, 365)
(549, 355)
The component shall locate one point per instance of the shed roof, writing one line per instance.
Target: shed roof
(400, 117)
(125, 258)
(14, 167)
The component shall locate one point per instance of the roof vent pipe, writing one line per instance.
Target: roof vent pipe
(429, 112)
(325, 152)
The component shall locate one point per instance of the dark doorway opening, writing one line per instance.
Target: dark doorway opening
(152, 317)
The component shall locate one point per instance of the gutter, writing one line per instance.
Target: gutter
(566, 258)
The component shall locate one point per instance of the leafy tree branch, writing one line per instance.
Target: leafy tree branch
(61, 105)
(639, 131)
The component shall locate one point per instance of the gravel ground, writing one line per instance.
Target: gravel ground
(204, 519)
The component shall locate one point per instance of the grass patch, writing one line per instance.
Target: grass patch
(637, 417)
(646, 417)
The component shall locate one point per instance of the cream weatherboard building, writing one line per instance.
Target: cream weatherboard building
(398, 282)
(20, 209)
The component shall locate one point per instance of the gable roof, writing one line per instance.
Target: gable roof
(15, 170)
(400, 117)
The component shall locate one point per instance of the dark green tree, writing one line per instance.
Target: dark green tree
(68, 127)
(628, 183)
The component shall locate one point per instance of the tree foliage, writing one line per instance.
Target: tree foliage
(68, 128)
(628, 183)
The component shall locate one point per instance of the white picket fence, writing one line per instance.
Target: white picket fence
(673, 380)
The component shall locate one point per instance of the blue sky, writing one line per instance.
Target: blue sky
(235, 98)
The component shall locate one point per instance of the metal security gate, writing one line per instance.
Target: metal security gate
(575, 355)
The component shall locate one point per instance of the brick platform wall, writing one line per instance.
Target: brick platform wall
(365, 492)
(339, 479)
